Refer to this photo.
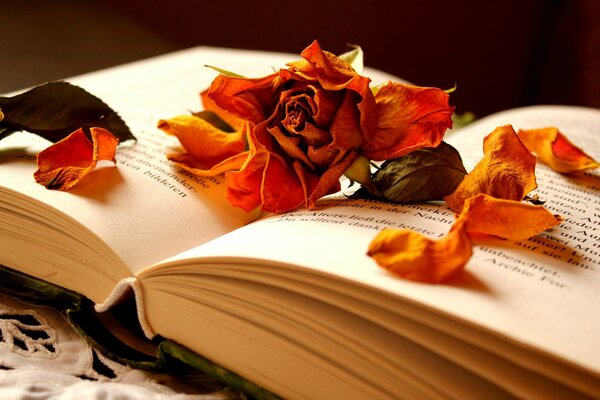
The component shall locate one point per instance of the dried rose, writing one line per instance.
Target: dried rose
(307, 124)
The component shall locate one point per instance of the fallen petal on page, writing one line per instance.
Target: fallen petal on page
(506, 218)
(62, 165)
(555, 150)
(413, 256)
(506, 171)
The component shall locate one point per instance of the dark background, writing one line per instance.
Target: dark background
(500, 54)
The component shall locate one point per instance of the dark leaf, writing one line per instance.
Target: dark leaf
(425, 174)
(214, 120)
(56, 109)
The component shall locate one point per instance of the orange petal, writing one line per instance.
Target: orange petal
(555, 150)
(506, 218)
(409, 118)
(332, 72)
(209, 105)
(281, 188)
(506, 171)
(243, 186)
(245, 98)
(202, 141)
(413, 256)
(66, 162)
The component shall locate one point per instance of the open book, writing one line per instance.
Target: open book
(291, 301)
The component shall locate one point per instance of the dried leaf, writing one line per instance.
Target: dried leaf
(413, 256)
(425, 174)
(555, 150)
(56, 109)
(506, 171)
(62, 165)
(506, 218)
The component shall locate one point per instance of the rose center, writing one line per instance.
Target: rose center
(296, 113)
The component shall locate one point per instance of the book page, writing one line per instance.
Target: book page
(534, 294)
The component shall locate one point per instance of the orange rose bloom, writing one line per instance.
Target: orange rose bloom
(306, 125)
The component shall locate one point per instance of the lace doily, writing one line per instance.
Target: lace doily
(43, 357)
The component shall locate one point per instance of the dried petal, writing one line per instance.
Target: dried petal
(506, 218)
(207, 144)
(64, 163)
(409, 118)
(413, 256)
(506, 171)
(209, 105)
(555, 150)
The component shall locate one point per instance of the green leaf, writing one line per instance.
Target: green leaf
(425, 174)
(225, 72)
(214, 120)
(355, 58)
(56, 109)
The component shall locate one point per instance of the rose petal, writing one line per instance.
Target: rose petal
(413, 256)
(506, 218)
(555, 150)
(506, 171)
(245, 98)
(409, 118)
(62, 165)
(209, 105)
(244, 186)
(345, 129)
(201, 140)
(281, 188)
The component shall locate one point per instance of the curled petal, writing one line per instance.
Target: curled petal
(243, 186)
(555, 150)
(66, 162)
(409, 118)
(506, 218)
(209, 105)
(331, 71)
(203, 141)
(413, 256)
(245, 98)
(506, 171)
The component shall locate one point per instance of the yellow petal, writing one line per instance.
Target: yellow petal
(202, 140)
(555, 150)
(506, 171)
(413, 256)
(506, 218)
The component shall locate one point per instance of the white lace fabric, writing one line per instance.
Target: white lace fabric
(43, 357)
